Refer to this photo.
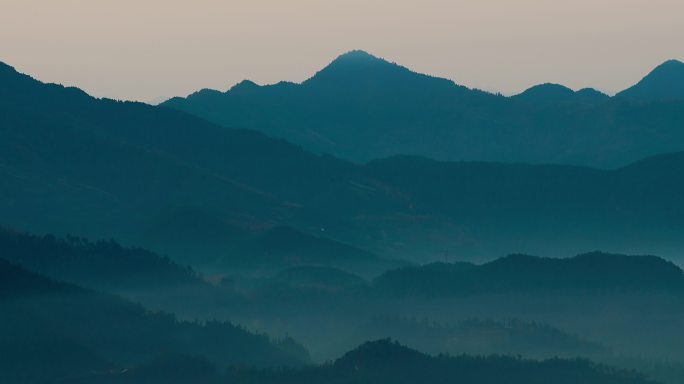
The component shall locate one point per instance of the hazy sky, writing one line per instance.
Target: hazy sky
(147, 49)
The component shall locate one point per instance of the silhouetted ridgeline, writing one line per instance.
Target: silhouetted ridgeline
(665, 83)
(387, 362)
(52, 331)
(361, 107)
(632, 305)
(592, 273)
(480, 338)
(521, 282)
(596, 276)
(104, 264)
(550, 94)
(18, 282)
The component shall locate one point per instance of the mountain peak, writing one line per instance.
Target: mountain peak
(549, 88)
(360, 68)
(383, 352)
(547, 92)
(8, 72)
(550, 93)
(355, 64)
(670, 64)
(356, 55)
(244, 85)
(665, 82)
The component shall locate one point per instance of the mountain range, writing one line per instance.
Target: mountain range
(152, 176)
(629, 304)
(361, 108)
(366, 202)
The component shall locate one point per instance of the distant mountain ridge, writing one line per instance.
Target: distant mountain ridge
(361, 108)
(664, 83)
(553, 93)
(591, 272)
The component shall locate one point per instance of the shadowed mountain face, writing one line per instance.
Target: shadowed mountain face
(156, 177)
(664, 83)
(361, 108)
(137, 274)
(102, 168)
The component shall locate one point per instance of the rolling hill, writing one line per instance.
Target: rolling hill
(665, 82)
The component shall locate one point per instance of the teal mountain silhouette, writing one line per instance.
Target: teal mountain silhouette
(361, 107)
(556, 93)
(664, 83)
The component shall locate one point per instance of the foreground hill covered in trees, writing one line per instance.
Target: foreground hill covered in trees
(385, 361)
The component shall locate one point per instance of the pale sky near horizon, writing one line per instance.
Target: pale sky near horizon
(152, 49)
